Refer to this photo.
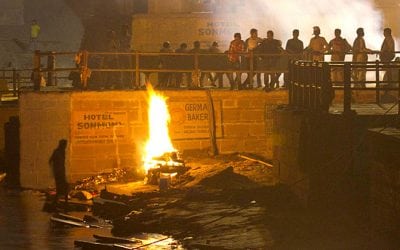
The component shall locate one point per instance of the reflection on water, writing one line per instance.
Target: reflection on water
(23, 225)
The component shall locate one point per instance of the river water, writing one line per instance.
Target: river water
(23, 225)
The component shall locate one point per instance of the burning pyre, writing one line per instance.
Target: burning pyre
(160, 156)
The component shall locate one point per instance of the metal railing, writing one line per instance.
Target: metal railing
(127, 67)
(311, 86)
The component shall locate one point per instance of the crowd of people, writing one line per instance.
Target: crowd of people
(270, 59)
(261, 58)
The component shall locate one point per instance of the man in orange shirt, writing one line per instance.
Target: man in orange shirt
(236, 47)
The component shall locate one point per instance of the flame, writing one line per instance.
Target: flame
(159, 141)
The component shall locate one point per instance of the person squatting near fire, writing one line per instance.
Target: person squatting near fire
(57, 163)
(338, 47)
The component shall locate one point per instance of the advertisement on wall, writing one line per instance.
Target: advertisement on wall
(99, 127)
(191, 120)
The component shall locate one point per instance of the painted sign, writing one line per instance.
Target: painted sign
(191, 120)
(221, 29)
(99, 127)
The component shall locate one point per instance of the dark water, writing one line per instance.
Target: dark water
(23, 225)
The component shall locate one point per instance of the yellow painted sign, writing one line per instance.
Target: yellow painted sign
(190, 120)
(99, 127)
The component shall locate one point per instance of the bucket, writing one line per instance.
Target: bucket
(164, 183)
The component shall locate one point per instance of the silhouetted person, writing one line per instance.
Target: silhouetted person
(387, 52)
(57, 162)
(318, 46)
(182, 62)
(236, 48)
(197, 80)
(360, 54)
(270, 46)
(295, 49)
(165, 78)
(11, 147)
(338, 46)
(250, 44)
(35, 32)
(215, 62)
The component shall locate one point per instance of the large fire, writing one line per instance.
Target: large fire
(159, 142)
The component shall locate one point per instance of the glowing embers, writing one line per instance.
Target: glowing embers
(159, 154)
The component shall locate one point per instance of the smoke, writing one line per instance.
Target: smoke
(285, 15)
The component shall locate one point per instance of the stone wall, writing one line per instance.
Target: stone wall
(314, 155)
(108, 129)
(5, 113)
(179, 28)
(44, 120)
(384, 176)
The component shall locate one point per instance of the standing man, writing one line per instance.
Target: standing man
(338, 47)
(360, 54)
(387, 51)
(57, 162)
(165, 78)
(236, 47)
(197, 77)
(318, 46)
(295, 48)
(182, 63)
(35, 32)
(215, 77)
(271, 46)
(250, 44)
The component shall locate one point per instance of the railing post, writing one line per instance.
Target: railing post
(251, 75)
(378, 97)
(84, 69)
(196, 74)
(398, 94)
(36, 70)
(313, 86)
(14, 82)
(290, 83)
(51, 65)
(137, 73)
(301, 85)
(347, 88)
(317, 83)
(326, 93)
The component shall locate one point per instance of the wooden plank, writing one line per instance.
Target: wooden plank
(68, 222)
(99, 246)
(111, 239)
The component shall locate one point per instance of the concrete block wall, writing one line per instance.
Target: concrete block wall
(5, 114)
(384, 179)
(109, 129)
(287, 159)
(44, 120)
